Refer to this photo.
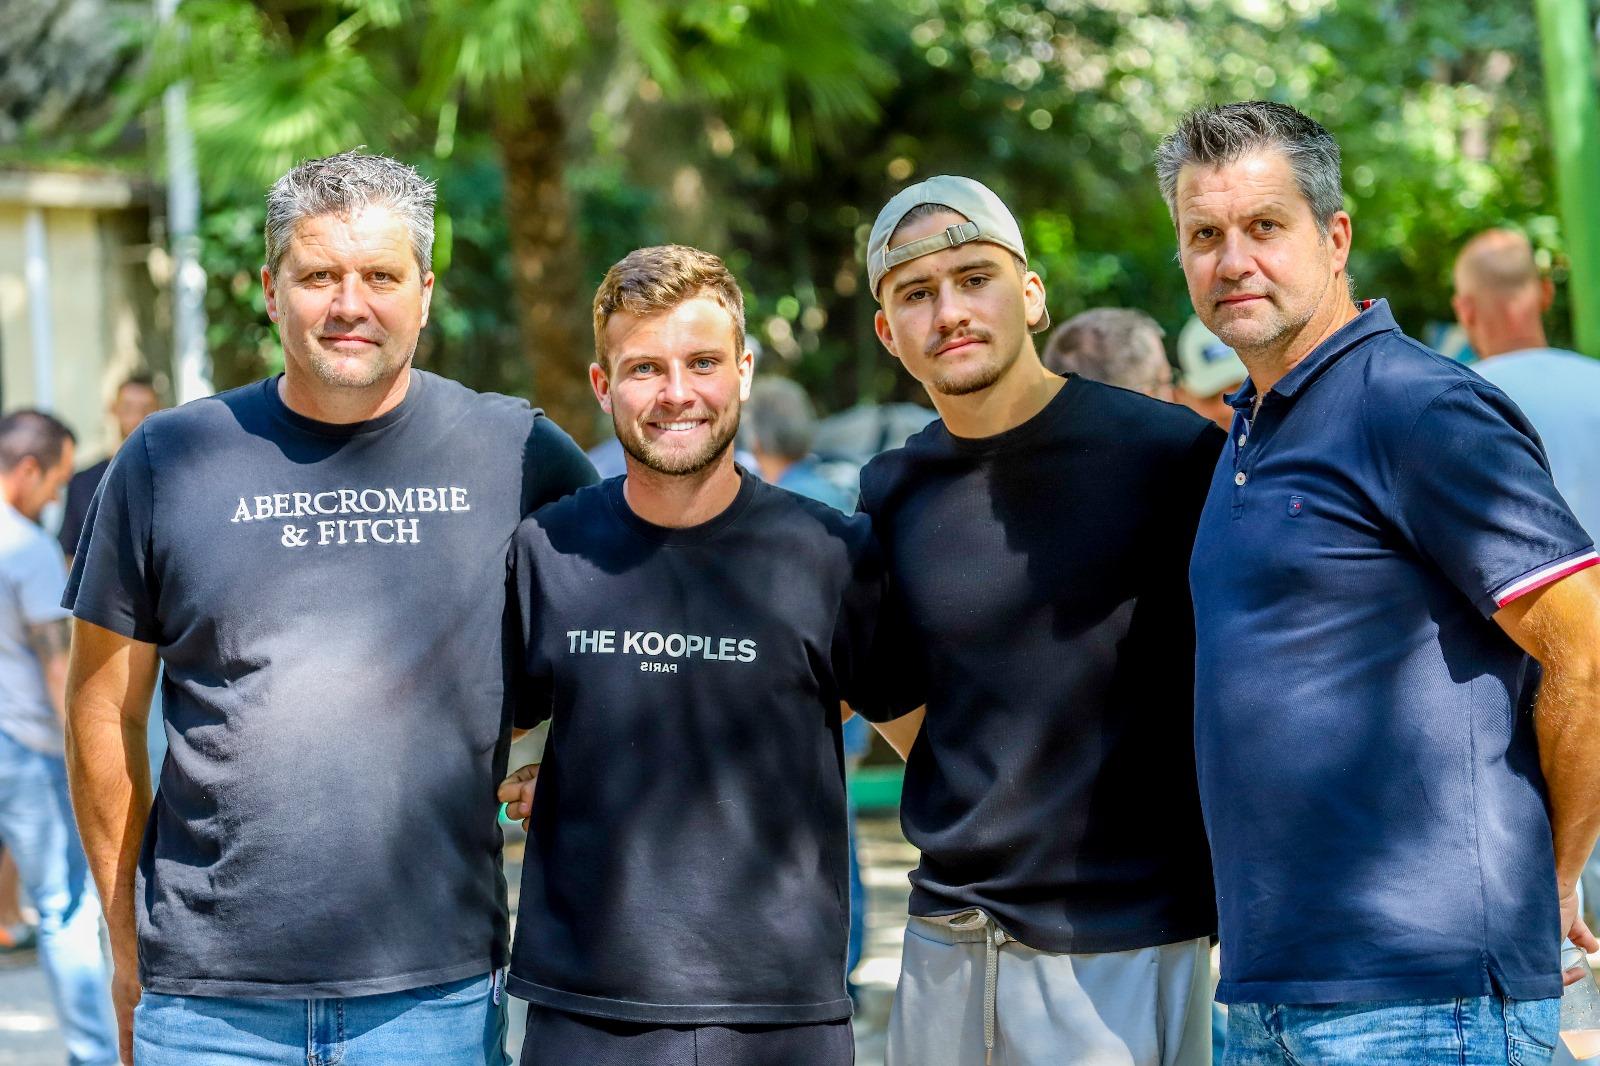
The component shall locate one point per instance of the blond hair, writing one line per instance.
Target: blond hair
(647, 281)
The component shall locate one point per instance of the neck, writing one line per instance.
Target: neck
(1268, 367)
(11, 492)
(1510, 340)
(772, 466)
(680, 500)
(1022, 392)
(340, 406)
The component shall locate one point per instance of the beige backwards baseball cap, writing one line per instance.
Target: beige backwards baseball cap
(1206, 366)
(987, 220)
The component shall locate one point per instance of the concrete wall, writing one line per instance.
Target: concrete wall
(75, 297)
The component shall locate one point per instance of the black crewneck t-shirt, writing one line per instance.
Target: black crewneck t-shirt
(686, 857)
(1044, 573)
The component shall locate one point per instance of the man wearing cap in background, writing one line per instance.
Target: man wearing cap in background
(1117, 345)
(1208, 370)
(1038, 533)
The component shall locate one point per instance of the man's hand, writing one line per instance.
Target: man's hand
(1577, 932)
(516, 792)
(125, 995)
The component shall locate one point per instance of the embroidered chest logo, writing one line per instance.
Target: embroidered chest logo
(1296, 505)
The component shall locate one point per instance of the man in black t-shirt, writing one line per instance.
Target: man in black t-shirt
(690, 631)
(317, 562)
(136, 399)
(1039, 536)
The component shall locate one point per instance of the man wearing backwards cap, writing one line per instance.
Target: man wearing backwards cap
(1039, 533)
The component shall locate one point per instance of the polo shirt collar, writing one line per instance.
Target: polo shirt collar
(1373, 318)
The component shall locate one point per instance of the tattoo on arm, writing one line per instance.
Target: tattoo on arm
(50, 639)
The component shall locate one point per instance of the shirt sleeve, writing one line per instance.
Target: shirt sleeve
(553, 465)
(113, 582)
(528, 690)
(878, 674)
(38, 579)
(1473, 493)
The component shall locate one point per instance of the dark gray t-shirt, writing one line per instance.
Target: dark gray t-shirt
(328, 602)
(687, 858)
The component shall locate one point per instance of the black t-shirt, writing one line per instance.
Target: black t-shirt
(686, 859)
(1044, 572)
(80, 490)
(329, 603)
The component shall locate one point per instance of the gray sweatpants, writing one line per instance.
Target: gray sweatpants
(970, 995)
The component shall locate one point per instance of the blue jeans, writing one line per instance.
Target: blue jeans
(462, 1024)
(1481, 1031)
(36, 824)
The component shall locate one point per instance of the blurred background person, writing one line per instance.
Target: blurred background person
(136, 399)
(781, 424)
(1115, 345)
(1500, 299)
(1208, 370)
(36, 452)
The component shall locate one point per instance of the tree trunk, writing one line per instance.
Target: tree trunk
(552, 306)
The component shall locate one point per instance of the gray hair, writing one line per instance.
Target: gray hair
(30, 434)
(343, 185)
(781, 418)
(1218, 136)
(1116, 345)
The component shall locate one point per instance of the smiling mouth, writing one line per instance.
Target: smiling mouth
(681, 426)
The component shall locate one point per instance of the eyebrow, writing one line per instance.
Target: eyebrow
(964, 268)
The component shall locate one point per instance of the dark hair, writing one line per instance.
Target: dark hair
(138, 380)
(1217, 136)
(30, 433)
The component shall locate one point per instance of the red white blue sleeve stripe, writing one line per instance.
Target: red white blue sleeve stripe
(1545, 575)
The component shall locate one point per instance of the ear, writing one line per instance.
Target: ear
(601, 386)
(427, 295)
(271, 293)
(747, 373)
(1339, 234)
(880, 325)
(1033, 297)
(1466, 312)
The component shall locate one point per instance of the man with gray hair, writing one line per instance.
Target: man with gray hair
(1117, 345)
(318, 562)
(1398, 811)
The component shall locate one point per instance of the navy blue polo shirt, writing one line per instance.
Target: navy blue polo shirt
(1364, 739)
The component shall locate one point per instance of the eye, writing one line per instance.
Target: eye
(1204, 233)
(704, 362)
(381, 276)
(321, 275)
(915, 295)
(976, 281)
(1266, 225)
(640, 370)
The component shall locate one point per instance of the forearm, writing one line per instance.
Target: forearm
(50, 642)
(109, 683)
(1567, 719)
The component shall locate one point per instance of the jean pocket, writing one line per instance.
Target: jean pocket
(1533, 1024)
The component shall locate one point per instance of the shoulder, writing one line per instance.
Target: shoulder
(1156, 427)
(811, 529)
(486, 409)
(889, 469)
(575, 512)
(1403, 379)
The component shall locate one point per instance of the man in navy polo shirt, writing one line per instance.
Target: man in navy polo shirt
(1397, 829)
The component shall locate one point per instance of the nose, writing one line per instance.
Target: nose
(675, 386)
(951, 312)
(1235, 262)
(349, 303)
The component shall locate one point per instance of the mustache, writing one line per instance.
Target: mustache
(936, 343)
(1220, 294)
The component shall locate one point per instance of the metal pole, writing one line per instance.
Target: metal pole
(1569, 56)
(36, 271)
(191, 366)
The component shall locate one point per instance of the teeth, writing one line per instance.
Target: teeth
(678, 426)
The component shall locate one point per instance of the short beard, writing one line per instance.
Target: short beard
(374, 372)
(981, 378)
(678, 465)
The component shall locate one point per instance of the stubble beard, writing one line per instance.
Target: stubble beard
(644, 451)
(974, 379)
(362, 376)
